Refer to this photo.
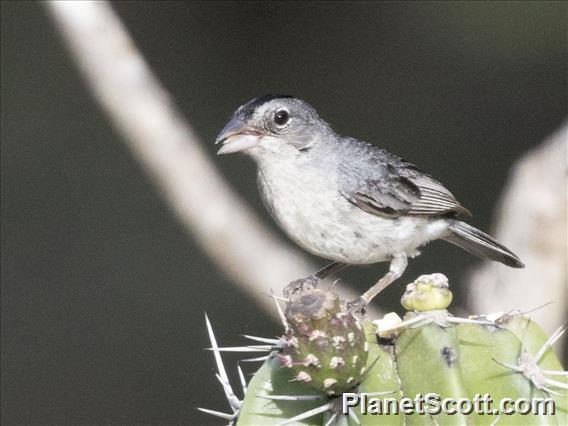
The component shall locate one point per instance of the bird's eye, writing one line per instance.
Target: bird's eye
(281, 117)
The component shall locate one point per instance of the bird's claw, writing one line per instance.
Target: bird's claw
(357, 306)
(300, 286)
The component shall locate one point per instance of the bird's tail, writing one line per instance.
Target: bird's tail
(480, 244)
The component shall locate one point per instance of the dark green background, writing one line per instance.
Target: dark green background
(103, 294)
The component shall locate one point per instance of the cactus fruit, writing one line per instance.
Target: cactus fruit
(325, 346)
(307, 376)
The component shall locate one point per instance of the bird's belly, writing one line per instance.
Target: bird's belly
(324, 223)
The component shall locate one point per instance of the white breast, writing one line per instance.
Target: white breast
(308, 206)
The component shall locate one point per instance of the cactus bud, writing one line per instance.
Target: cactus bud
(326, 346)
(427, 293)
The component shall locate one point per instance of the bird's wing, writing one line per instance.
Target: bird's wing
(385, 185)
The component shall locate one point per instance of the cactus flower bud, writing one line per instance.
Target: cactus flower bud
(427, 293)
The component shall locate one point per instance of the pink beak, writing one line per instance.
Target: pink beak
(237, 136)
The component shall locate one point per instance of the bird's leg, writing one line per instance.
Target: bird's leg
(313, 280)
(397, 266)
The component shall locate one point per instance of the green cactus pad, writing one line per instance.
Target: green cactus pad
(272, 379)
(429, 352)
(480, 348)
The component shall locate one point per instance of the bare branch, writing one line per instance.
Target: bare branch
(532, 221)
(163, 141)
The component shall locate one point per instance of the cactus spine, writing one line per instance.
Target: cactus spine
(327, 351)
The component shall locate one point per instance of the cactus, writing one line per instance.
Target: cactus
(325, 346)
(329, 356)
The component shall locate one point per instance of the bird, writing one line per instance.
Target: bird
(344, 199)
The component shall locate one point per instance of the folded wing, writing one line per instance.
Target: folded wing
(385, 185)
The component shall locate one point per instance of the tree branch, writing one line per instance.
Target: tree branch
(532, 220)
(162, 140)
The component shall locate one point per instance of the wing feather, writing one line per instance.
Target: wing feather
(385, 185)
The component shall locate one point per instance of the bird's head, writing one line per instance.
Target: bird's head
(272, 125)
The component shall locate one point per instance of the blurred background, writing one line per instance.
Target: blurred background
(103, 293)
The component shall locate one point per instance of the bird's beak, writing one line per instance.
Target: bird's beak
(237, 136)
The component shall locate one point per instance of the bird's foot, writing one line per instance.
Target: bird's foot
(301, 286)
(357, 306)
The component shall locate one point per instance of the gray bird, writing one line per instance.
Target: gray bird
(344, 199)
